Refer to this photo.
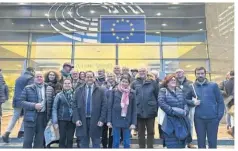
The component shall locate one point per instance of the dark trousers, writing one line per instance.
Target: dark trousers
(147, 123)
(206, 128)
(66, 131)
(106, 140)
(84, 140)
(126, 137)
(35, 133)
(0, 109)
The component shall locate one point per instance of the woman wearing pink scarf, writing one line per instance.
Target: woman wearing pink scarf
(122, 112)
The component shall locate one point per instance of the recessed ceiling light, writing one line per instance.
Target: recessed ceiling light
(188, 66)
(175, 3)
(69, 12)
(164, 25)
(21, 3)
(46, 14)
(200, 22)
(230, 7)
(12, 23)
(200, 29)
(92, 11)
(158, 14)
(62, 23)
(157, 32)
(136, 12)
(42, 25)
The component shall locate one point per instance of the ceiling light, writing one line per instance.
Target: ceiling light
(157, 32)
(175, 3)
(12, 23)
(158, 14)
(164, 25)
(62, 23)
(21, 3)
(188, 66)
(200, 22)
(136, 12)
(69, 12)
(200, 29)
(92, 11)
(42, 25)
(230, 7)
(46, 14)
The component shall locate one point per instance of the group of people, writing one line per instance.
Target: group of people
(90, 105)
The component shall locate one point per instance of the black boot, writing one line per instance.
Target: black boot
(78, 142)
(5, 137)
(20, 134)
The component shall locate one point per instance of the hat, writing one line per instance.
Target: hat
(179, 70)
(68, 64)
(134, 70)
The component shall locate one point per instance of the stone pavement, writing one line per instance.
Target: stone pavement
(224, 139)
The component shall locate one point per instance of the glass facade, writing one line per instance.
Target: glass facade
(45, 35)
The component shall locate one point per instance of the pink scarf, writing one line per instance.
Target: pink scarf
(124, 99)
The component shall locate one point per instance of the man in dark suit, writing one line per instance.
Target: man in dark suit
(89, 113)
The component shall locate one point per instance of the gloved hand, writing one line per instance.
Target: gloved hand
(179, 111)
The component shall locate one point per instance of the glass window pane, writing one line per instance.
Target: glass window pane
(13, 37)
(171, 66)
(153, 37)
(94, 65)
(39, 38)
(15, 11)
(13, 51)
(95, 51)
(175, 24)
(183, 51)
(49, 51)
(139, 52)
(150, 64)
(48, 64)
(166, 10)
(183, 38)
(12, 64)
(10, 78)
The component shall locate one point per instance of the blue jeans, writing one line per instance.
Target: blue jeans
(116, 137)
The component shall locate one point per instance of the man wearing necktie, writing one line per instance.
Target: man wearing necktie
(89, 112)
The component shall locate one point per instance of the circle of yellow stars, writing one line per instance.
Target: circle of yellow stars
(126, 37)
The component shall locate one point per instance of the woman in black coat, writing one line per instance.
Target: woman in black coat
(122, 112)
(62, 115)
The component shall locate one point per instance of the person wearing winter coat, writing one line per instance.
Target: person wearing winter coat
(176, 124)
(146, 90)
(62, 114)
(122, 112)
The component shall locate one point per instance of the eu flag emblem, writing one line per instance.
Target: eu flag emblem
(122, 29)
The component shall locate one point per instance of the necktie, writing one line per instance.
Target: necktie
(89, 101)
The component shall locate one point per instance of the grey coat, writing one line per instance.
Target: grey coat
(28, 100)
(99, 110)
